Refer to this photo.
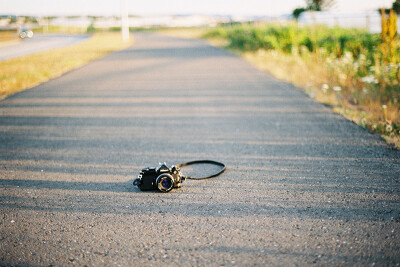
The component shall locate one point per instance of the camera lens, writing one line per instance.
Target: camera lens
(165, 182)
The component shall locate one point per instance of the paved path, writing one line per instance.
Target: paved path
(38, 43)
(303, 185)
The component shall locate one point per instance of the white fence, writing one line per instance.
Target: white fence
(368, 20)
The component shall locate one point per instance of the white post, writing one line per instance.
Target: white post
(124, 21)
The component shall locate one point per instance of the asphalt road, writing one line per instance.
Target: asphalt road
(39, 43)
(304, 186)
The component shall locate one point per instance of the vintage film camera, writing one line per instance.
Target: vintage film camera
(162, 178)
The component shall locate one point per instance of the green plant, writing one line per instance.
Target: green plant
(298, 11)
(396, 6)
(318, 5)
(91, 28)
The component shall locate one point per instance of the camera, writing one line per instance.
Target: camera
(160, 178)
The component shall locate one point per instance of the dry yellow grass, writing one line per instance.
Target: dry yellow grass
(6, 36)
(184, 32)
(25, 72)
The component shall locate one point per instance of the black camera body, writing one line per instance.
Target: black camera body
(160, 178)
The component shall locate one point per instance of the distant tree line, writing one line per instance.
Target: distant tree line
(314, 5)
(320, 5)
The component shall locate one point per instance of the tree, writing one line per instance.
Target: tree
(396, 6)
(314, 5)
(13, 19)
(297, 12)
(319, 5)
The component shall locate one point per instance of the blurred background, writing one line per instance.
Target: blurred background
(106, 14)
(343, 53)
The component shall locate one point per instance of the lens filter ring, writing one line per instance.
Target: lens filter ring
(165, 182)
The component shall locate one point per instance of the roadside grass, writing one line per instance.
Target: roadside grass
(28, 71)
(60, 29)
(8, 36)
(346, 69)
(184, 32)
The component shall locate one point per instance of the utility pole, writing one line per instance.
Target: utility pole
(124, 21)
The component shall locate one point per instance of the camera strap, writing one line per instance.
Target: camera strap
(222, 165)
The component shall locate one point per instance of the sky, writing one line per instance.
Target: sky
(163, 7)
